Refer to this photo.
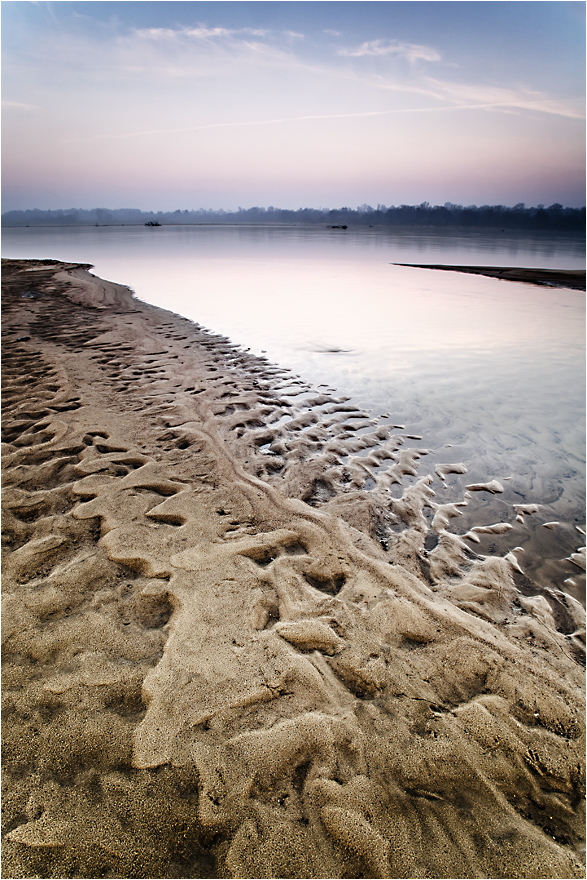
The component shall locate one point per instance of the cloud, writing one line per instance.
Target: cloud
(196, 51)
(139, 57)
(410, 51)
(466, 95)
(218, 53)
(198, 33)
(17, 105)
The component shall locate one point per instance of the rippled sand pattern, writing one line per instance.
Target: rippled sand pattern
(242, 638)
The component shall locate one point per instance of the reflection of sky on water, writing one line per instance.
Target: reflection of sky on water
(489, 372)
(365, 306)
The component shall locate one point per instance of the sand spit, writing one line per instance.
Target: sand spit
(572, 278)
(230, 650)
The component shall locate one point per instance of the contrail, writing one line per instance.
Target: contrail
(455, 107)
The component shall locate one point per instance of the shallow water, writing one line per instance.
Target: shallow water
(487, 372)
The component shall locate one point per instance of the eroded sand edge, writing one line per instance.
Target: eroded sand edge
(224, 657)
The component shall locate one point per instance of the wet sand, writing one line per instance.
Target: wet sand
(223, 656)
(570, 278)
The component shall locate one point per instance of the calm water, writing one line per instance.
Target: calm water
(489, 373)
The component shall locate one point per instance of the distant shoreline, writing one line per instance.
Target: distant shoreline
(573, 279)
(500, 218)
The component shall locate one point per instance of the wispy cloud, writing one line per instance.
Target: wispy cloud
(198, 51)
(198, 33)
(410, 51)
(170, 54)
(218, 53)
(140, 57)
(17, 105)
(467, 95)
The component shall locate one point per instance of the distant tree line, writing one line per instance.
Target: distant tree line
(553, 217)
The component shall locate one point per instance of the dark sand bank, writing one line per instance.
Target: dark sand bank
(571, 278)
(223, 657)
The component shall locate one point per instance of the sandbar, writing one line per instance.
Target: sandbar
(569, 278)
(224, 655)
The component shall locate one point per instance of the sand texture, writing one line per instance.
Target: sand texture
(230, 650)
(571, 278)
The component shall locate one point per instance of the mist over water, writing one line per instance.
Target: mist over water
(489, 373)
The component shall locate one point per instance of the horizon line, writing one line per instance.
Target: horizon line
(272, 208)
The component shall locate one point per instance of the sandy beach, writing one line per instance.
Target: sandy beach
(223, 656)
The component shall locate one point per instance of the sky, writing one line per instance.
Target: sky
(187, 105)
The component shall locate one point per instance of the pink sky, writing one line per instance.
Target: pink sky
(216, 105)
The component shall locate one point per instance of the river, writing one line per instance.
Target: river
(489, 373)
